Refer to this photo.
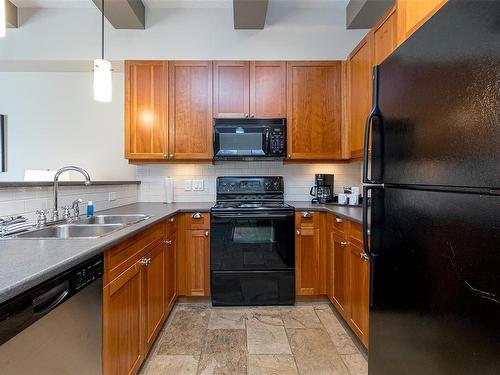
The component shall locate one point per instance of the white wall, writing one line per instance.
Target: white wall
(291, 33)
(54, 121)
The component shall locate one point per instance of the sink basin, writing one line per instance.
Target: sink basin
(72, 231)
(113, 219)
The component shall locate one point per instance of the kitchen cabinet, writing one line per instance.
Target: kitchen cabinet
(359, 72)
(341, 275)
(307, 253)
(190, 110)
(384, 36)
(123, 325)
(146, 109)
(155, 284)
(198, 262)
(267, 89)
(314, 110)
(411, 14)
(231, 89)
(170, 271)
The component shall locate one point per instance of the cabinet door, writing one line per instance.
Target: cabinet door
(414, 13)
(190, 110)
(231, 89)
(146, 109)
(360, 95)
(307, 270)
(198, 262)
(267, 89)
(340, 287)
(314, 108)
(385, 37)
(359, 286)
(155, 291)
(123, 322)
(170, 272)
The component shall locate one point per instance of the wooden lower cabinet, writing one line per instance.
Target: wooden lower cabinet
(123, 322)
(340, 288)
(307, 266)
(197, 242)
(170, 272)
(359, 289)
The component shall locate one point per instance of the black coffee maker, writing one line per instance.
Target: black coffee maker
(322, 191)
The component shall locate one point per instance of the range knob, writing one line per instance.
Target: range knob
(276, 184)
(232, 186)
(267, 184)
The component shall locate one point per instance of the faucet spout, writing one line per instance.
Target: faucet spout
(55, 212)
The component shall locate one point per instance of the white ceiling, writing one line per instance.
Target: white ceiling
(178, 3)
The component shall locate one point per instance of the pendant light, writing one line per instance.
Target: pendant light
(103, 89)
(3, 16)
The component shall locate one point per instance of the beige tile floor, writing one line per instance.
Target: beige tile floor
(304, 339)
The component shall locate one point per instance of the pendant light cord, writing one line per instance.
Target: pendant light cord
(102, 29)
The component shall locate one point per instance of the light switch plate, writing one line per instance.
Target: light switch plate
(112, 196)
(198, 185)
(187, 185)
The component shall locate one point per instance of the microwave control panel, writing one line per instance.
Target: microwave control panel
(277, 140)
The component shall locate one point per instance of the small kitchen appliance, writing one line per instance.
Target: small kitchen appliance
(322, 191)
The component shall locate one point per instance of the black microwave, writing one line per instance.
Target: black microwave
(249, 139)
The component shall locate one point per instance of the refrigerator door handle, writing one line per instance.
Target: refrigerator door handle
(374, 113)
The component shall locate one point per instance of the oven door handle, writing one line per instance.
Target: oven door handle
(253, 216)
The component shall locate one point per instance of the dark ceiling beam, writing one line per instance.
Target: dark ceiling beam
(363, 14)
(250, 14)
(124, 14)
(11, 14)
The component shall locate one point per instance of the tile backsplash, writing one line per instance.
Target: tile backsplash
(26, 200)
(298, 178)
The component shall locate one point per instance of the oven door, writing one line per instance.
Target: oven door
(236, 142)
(260, 241)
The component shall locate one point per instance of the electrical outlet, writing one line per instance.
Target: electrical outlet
(112, 196)
(198, 185)
(187, 185)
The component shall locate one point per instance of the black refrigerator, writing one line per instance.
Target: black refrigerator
(433, 174)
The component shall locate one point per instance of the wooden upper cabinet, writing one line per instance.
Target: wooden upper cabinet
(414, 13)
(146, 109)
(385, 37)
(267, 89)
(231, 89)
(190, 110)
(314, 110)
(123, 322)
(360, 72)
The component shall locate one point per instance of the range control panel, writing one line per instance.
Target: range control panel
(249, 185)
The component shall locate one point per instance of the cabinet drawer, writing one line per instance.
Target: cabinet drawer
(125, 254)
(307, 219)
(356, 233)
(197, 220)
(171, 225)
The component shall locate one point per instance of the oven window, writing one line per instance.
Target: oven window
(253, 234)
(249, 143)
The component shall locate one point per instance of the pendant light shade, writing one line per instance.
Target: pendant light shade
(103, 86)
(2, 19)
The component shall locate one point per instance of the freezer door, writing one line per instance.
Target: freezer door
(436, 283)
(439, 99)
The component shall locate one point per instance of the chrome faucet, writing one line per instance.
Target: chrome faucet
(55, 212)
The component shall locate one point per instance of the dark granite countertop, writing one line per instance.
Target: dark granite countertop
(8, 184)
(25, 263)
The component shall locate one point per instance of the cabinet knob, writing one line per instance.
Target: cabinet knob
(168, 242)
(306, 214)
(197, 215)
(246, 115)
(289, 156)
(171, 220)
(171, 156)
(252, 115)
(145, 261)
(344, 243)
(338, 219)
(365, 257)
(165, 156)
(206, 233)
(297, 232)
(368, 232)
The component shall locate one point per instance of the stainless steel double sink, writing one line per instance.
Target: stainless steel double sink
(86, 227)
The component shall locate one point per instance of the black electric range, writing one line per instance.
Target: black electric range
(252, 248)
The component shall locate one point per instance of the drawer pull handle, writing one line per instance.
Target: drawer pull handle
(306, 214)
(338, 219)
(344, 243)
(171, 219)
(206, 233)
(168, 242)
(298, 232)
(145, 261)
(365, 257)
(197, 215)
